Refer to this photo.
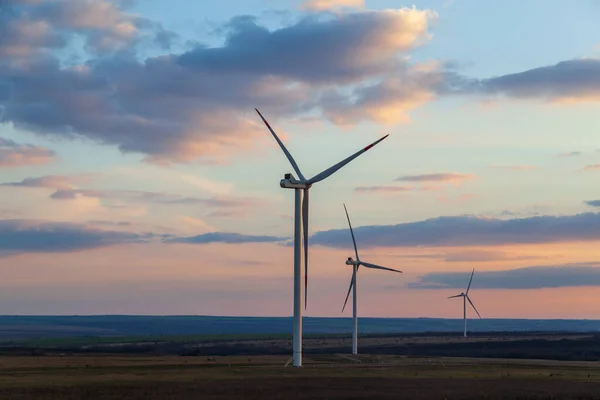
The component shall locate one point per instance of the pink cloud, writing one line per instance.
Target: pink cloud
(13, 154)
(438, 177)
(322, 5)
(571, 154)
(383, 189)
(593, 167)
(198, 105)
(515, 167)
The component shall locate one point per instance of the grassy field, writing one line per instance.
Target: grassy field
(265, 377)
(551, 346)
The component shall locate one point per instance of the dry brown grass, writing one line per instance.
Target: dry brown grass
(323, 377)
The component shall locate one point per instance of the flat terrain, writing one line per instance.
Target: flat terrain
(266, 377)
(410, 366)
(540, 345)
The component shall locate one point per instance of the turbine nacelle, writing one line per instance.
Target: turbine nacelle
(290, 182)
(350, 261)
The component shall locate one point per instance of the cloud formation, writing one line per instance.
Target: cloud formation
(383, 189)
(571, 154)
(225, 237)
(13, 154)
(199, 104)
(65, 189)
(593, 203)
(575, 80)
(439, 177)
(515, 167)
(469, 231)
(592, 167)
(29, 236)
(538, 277)
(59, 182)
(28, 26)
(470, 256)
(323, 5)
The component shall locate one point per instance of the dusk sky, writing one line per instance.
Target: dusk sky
(136, 177)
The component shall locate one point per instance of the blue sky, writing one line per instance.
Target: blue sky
(137, 118)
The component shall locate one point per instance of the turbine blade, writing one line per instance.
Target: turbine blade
(452, 297)
(473, 305)
(351, 232)
(369, 265)
(285, 151)
(329, 171)
(305, 233)
(350, 288)
(470, 280)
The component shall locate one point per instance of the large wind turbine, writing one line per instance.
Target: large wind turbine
(301, 186)
(465, 296)
(355, 264)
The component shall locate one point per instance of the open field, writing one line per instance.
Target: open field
(531, 345)
(265, 377)
(494, 365)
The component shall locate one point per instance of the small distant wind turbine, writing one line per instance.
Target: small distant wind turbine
(355, 264)
(465, 296)
(301, 186)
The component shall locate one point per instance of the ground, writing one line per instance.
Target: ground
(542, 365)
(335, 376)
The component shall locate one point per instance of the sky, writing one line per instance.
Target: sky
(136, 177)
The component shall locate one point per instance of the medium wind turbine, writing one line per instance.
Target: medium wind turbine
(355, 264)
(301, 186)
(465, 296)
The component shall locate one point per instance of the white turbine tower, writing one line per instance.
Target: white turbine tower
(465, 296)
(355, 264)
(301, 186)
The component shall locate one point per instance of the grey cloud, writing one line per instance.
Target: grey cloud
(339, 44)
(515, 167)
(593, 167)
(222, 203)
(537, 277)
(577, 79)
(568, 79)
(325, 5)
(593, 203)
(29, 26)
(225, 237)
(48, 181)
(68, 194)
(64, 190)
(384, 189)
(199, 104)
(571, 154)
(13, 154)
(31, 236)
(112, 223)
(439, 177)
(469, 231)
(471, 256)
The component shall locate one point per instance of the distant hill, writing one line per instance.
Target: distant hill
(126, 325)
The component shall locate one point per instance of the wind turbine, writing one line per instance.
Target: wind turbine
(355, 264)
(301, 186)
(465, 296)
